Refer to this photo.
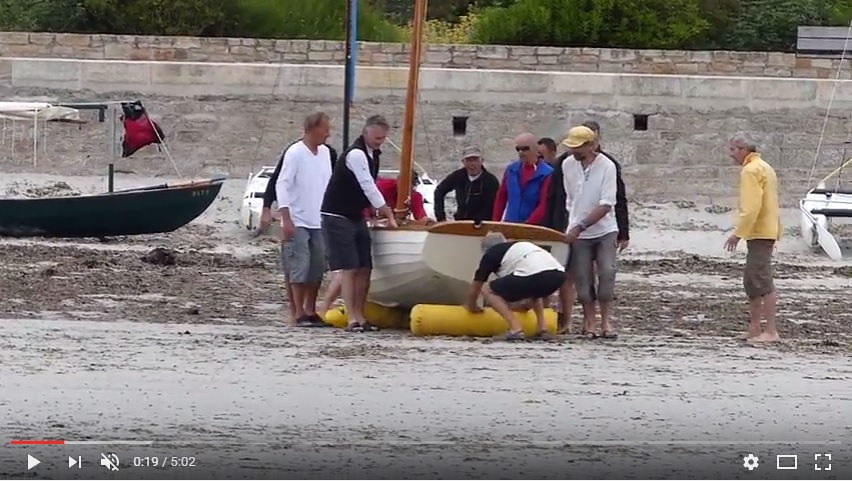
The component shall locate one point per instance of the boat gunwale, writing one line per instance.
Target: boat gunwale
(118, 193)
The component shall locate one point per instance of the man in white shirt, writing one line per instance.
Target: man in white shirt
(524, 271)
(305, 172)
(351, 190)
(590, 187)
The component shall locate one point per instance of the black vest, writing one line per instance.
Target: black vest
(344, 196)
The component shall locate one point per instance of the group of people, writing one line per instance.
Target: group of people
(592, 188)
(324, 201)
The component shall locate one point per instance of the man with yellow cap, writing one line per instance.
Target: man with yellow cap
(590, 186)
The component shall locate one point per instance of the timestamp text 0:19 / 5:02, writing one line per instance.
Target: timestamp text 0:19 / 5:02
(164, 461)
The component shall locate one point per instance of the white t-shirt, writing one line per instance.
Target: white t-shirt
(302, 182)
(526, 259)
(588, 188)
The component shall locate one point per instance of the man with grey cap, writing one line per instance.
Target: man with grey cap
(524, 271)
(475, 189)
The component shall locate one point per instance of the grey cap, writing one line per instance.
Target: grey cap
(471, 151)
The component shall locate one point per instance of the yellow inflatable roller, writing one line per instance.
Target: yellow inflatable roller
(383, 317)
(437, 320)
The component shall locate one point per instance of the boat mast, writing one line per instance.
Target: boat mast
(406, 154)
(351, 33)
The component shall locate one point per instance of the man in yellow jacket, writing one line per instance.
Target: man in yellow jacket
(759, 223)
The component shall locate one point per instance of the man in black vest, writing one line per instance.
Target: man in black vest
(348, 243)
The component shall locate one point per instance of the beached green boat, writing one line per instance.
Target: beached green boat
(146, 210)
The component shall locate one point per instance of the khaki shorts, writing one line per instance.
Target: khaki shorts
(758, 272)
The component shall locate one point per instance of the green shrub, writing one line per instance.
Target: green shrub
(603, 23)
(308, 19)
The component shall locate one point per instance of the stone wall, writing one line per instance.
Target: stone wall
(225, 117)
(122, 47)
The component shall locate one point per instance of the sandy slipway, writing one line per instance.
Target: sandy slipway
(189, 349)
(687, 296)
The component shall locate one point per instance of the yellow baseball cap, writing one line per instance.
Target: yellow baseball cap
(578, 136)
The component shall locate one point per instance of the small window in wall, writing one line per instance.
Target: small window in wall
(640, 122)
(459, 125)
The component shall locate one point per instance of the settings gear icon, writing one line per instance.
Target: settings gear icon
(750, 462)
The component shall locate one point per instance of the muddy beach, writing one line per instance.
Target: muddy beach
(191, 350)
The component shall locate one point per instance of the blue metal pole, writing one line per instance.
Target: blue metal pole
(353, 46)
(351, 62)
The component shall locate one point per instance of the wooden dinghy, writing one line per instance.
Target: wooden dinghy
(435, 264)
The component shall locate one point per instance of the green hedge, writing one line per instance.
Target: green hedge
(678, 24)
(308, 19)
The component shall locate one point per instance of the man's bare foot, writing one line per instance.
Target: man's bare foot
(766, 338)
(748, 335)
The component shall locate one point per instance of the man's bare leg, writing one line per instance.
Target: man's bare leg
(348, 281)
(362, 287)
(567, 296)
(309, 305)
(298, 300)
(331, 294)
(771, 332)
(589, 314)
(288, 291)
(538, 310)
(755, 314)
(606, 326)
(502, 307)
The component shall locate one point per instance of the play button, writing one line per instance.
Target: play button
(32, 462)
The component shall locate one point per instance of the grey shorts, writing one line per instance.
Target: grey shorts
(348, 243)
(303, 256)
(586, 255)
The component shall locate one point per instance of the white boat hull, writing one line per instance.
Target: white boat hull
(413, 267)
(252, 205)
(815, 227)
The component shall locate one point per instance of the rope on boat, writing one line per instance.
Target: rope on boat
(828, 112)
(162, 143)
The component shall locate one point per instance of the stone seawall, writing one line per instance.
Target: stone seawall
(324, 52)
(670, 132)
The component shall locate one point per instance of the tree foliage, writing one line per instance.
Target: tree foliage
(696, 24)
(312, 19)
(682, 24)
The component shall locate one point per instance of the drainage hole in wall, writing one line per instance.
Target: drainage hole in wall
(640, 122)
(459, 125)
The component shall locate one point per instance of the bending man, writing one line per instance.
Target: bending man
(524, 271)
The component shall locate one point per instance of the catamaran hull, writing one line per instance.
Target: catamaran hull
(413, 267)
(815, 227)
(252, 206)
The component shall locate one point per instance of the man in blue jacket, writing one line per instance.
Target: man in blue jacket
(522, 197)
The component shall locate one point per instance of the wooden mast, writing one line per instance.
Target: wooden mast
(407, 151)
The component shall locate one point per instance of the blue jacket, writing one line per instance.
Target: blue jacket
(521, 202)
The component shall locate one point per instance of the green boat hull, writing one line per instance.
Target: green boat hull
(147, 210)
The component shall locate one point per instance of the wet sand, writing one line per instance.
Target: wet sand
(99, 344)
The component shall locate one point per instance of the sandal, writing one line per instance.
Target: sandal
(609, 335)
(367, 327)
(589, 335)
(544, 336)
(354, 327)
(511, 336)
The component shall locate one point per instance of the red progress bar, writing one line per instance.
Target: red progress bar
(37, 441)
